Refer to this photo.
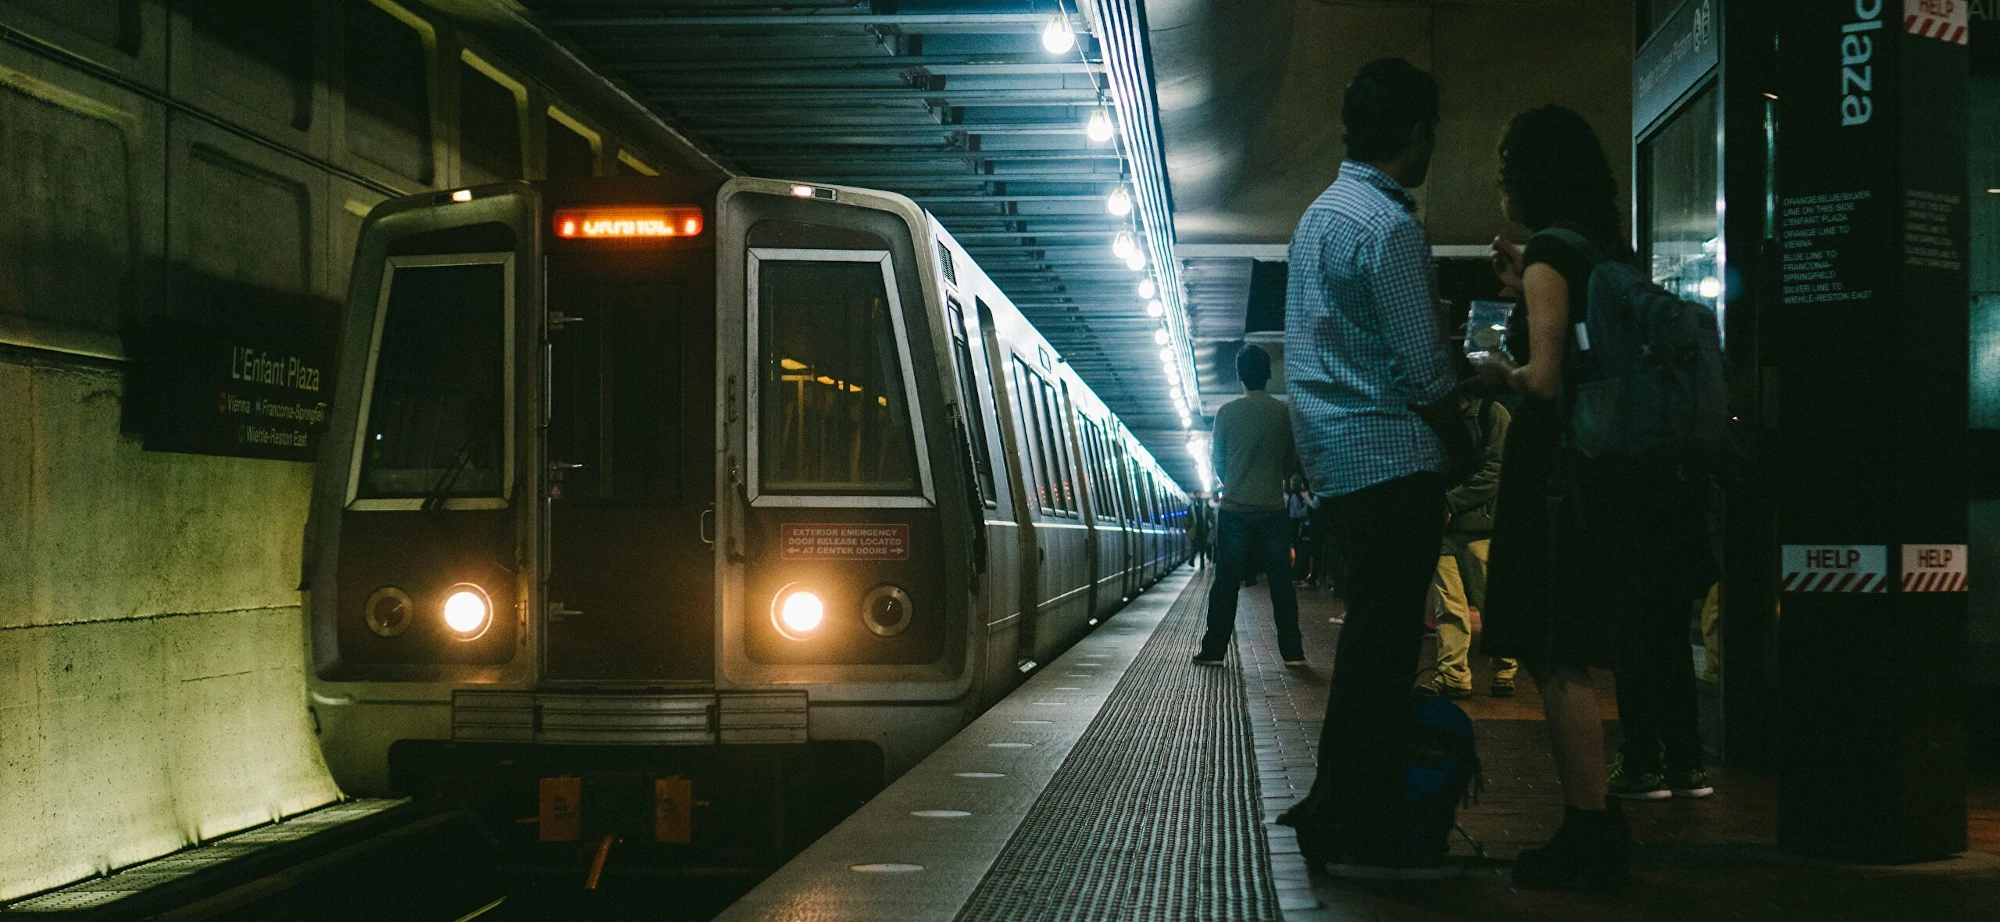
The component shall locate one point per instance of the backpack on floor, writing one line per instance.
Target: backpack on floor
(1648, 368)
(1440, 772)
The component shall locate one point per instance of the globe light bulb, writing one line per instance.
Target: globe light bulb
(1056, 36)
(1710, 288)
(1154, 308)
(1159, 337)
(1099, 128)
(1119, 204)
(1136, 261)
(1147, 289)
(1122, 246)
(1167, 357)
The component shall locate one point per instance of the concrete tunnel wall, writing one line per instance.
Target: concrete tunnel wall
(160, 157)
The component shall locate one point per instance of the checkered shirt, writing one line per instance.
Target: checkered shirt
(1363, 338)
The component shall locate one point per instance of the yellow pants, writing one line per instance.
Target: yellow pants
(1454, 621)
(1711, 634)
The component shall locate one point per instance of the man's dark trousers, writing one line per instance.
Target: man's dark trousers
(1389, 534)
(1260, 542)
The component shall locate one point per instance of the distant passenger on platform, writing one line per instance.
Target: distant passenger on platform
(1198, 532)
(1365, 362)
(1587, 555)
(1461, 568)
(1299, 504)
(1252, 452)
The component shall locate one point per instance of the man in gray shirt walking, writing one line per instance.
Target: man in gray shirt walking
(1252, 454)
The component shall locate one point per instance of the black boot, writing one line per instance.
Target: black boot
(1592, 850)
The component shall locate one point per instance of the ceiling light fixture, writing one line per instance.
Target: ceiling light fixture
(1123, 246)
(1167, 357)
(1119, 204)
(1153, 308)
(1099, 128)
(1159, 337)
(1137, 261)
(1147, 289)
(1056, 36)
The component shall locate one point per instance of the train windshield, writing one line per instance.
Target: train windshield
(436, 424)
(833, 415)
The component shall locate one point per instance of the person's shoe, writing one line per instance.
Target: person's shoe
(1203, 659)
(1439, 689)
(1295, 661)
(1626, 784)
(1502, 688)
(1690, 782)
(1592, 850)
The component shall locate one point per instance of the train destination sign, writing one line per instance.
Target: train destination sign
(844, 541)
(251, 389)
(628, 222)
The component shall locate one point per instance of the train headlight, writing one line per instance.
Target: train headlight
(388, 611)
(468, 611)
(886, 610)
(797, 612)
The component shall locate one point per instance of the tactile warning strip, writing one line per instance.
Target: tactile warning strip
(1155, 813)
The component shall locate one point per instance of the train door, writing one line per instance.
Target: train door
(630, 464)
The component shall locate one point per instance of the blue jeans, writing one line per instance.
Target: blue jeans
(1256, 542)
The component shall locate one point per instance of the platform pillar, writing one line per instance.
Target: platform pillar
(1870, 339)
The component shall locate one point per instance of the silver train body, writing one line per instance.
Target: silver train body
(712, 508)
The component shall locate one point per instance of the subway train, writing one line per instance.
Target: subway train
(685, 516)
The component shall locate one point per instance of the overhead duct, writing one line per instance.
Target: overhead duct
(1218, 66)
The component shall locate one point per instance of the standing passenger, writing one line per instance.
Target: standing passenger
(1584, 551)
(1198, 532)
(1365, 353)
(1252, 453)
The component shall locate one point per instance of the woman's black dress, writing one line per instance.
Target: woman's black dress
(1574, 542)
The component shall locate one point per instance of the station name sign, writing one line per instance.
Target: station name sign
(246, 385)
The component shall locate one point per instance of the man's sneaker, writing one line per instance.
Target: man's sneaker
(1437, 689)
(1502, 688)
(1691, 782)
(1203, 659)
(1626, 784)
(1296, 659)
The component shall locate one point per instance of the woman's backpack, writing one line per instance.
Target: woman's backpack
(1648, 369)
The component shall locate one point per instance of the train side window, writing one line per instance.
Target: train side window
(1063, 489)
(1030, 416)
(968, 393)
(832, 377)
(1107, 505)
(437, 395)
(1067, 431)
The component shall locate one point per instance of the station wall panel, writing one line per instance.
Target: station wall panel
(388, 79)
(127, 36)
(72, 239)
(258, 63)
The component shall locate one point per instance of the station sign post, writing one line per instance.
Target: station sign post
(1869, 333)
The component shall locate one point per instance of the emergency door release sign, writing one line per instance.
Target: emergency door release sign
(844, 541)
(1835, 568)
(1933, 568)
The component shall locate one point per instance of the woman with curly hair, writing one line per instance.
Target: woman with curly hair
(1585, 556)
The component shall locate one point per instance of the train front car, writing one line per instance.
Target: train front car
(597, 554)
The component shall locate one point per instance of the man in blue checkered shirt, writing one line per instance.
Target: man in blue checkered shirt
(1364, 351)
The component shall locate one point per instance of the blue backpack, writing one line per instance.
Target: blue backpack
(1440, 771)
(1647, 367)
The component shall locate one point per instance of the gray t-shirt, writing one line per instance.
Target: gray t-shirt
(1253, 452)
